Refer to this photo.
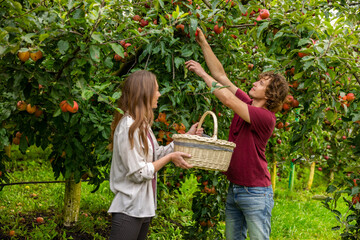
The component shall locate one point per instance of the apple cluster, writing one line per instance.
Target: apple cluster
(25, 55)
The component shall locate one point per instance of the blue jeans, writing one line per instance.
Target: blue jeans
(248, 208)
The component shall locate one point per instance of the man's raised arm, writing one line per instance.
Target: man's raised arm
(216, 69)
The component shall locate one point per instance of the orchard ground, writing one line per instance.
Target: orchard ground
(295, 216)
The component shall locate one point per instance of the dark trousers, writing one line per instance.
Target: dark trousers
(124, 227)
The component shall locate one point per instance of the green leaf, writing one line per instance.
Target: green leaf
(161, 3)
(116, 95)
(278, 34)
(298, 75)
(117, 49)
(23, 144)
(176, 13)
(2, 50)
(168, 63)
(44, 36)
(87, 94)
(70, 4)
(355, 191)
(307, 64)
(98, 37)
(322, 64)
(186, 52)
(27, 37)
(351, 217)
(331, 115)
(304, 41)
(63, 46)
(331, 189)
(193, 26)
(95, 53)
(261, 28)
(179, 62)
(108, 62)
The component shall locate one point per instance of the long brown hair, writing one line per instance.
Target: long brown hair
(276, 91)
(138, 92)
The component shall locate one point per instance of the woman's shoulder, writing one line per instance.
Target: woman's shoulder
(125, 122)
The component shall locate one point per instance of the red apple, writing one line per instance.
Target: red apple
(218, 29)
(143, 23)
(264, 13)
(301, 55)
(117, 57)
(40, 220)
(350, 96)
(289, 98)
(258, 18)
(180, 27)
(286, 107)
(21, 105)
(279, 125)
(137, 18)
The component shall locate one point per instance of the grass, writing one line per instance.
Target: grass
(295, 215)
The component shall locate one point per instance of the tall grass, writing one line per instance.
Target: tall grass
(295, 215)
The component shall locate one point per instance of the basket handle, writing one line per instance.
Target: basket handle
(215, 122)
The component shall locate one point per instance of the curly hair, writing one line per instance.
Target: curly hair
(276, 91)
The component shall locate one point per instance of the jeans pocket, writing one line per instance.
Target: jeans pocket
(255, 191)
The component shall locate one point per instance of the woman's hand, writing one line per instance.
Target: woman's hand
(194, 131)
(195, 67)
(178, 159)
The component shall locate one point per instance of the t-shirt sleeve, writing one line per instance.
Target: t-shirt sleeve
(243, 96)
(262, 120)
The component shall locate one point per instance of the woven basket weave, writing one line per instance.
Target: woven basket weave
(207, 153)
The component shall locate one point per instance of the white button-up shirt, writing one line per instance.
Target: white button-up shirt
(131, 172)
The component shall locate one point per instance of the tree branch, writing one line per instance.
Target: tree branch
(354, 74)
(207, 3)
(241, 26)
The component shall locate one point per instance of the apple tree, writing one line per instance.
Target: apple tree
(79, 52)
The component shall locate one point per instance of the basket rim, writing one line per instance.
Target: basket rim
(203, 139)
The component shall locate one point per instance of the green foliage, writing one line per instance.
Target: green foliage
(349, 220)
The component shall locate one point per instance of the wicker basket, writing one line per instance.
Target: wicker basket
(207, 153)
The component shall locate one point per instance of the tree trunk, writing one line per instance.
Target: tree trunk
(71, 202)
(311, 176)
(331, 175)
(273, 176)
(8, 150)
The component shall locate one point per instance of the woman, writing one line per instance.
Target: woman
(137, 157)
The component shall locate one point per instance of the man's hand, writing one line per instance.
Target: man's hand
(195, 67)
(200, 38)
(194, 131)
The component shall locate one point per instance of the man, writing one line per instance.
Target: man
(250, 196)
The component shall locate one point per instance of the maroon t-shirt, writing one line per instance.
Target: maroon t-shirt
(248, 166)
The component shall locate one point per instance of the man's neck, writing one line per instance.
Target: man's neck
(259, 103)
